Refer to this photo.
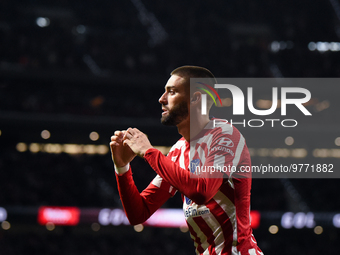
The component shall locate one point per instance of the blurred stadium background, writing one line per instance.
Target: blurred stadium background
(72, 72)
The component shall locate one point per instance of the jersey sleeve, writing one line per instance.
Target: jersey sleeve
(139, 207)
(200, 190)
(222, 152)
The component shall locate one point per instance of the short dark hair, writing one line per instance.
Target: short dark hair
(188, 72)
(193, 72)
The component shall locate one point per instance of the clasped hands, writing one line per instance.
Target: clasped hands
(126, 144)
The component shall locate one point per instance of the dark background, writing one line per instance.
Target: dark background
(102, 65)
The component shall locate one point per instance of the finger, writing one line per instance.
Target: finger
(124, 137)
(127, 143)
(115, 138)
(113, 144)
(128, 134)
(131, 131)
(119, 133)
(137, 131)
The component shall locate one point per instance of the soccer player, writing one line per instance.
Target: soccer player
(216, 206)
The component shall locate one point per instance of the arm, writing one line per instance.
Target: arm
(200, 190)
(140, 206)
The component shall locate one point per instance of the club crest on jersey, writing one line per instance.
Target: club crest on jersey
(194, 164)
(188, 201)
(225, 141)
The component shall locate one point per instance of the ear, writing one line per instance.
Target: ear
(196, 97)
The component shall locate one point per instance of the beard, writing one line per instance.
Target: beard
(176, 115)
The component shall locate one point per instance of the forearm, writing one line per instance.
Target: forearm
(200, 190)
(140, 206)
(133, 203)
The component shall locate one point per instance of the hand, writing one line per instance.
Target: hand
(137, 141)
(121, 154)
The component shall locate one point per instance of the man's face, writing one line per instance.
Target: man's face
(174, 102)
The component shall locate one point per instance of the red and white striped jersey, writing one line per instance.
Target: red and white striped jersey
(222, 225)
(216, 206)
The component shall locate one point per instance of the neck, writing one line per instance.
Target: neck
(188, 130)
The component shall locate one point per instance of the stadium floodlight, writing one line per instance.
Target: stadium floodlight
(43, 22)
